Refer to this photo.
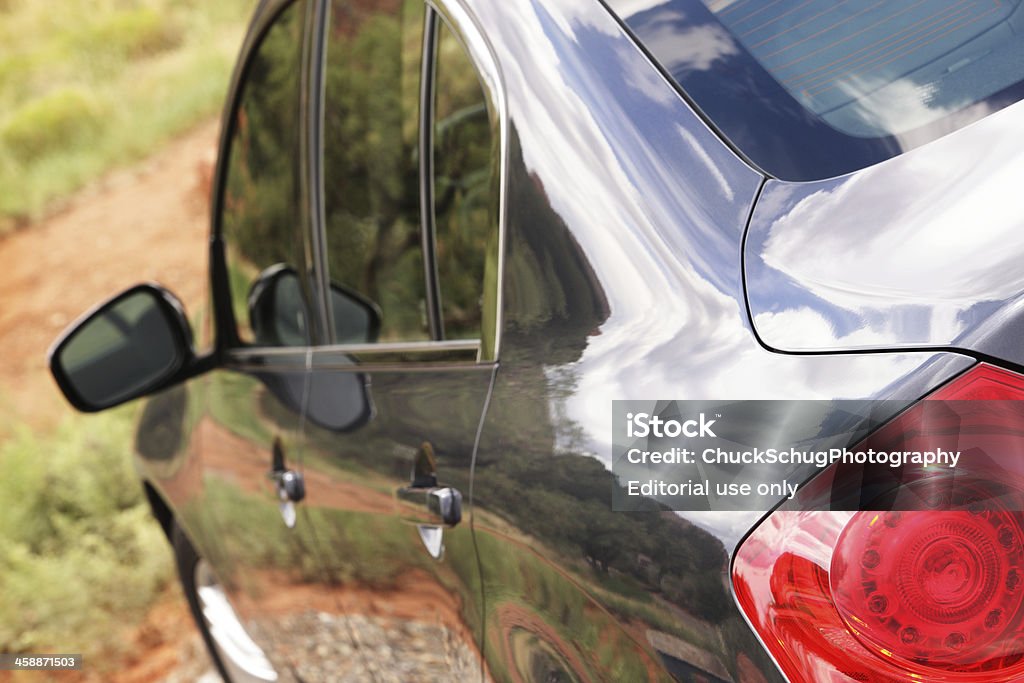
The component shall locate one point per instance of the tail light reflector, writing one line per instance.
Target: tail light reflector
(926, 590)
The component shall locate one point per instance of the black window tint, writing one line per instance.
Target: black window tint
(371, 164)
(464, 206)
(262, 216)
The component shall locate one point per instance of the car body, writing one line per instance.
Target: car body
(388, 457)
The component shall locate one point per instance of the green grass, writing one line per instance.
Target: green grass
(80, 556)
(87, 85)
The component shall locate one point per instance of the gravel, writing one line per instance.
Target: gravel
(317, 647)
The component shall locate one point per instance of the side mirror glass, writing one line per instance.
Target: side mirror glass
(137, 342)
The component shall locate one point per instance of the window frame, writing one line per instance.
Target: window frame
(437, 352)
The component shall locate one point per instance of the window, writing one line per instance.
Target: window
(374, 173)
(262, 219)
(811, 89)
(465, 211)
(371, 161)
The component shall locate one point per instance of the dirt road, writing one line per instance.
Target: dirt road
(148, 222)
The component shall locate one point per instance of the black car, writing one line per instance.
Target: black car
(446, 237)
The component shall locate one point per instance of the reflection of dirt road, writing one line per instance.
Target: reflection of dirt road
(512, 617)
(145, 223)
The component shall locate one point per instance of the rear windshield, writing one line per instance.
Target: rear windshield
(809, 89)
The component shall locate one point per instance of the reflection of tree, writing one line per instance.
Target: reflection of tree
(465, 196)
(261, 198)
(372, 168)
(370, 159)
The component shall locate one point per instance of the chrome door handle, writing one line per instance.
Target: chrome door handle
(291, 487)
(446, 503)
(443, 502)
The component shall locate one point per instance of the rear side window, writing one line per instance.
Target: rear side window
(371, 161)
(814, 88)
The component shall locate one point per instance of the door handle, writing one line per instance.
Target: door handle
(289, 485)
(444, 503)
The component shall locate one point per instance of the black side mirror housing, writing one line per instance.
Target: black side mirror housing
(129, 346)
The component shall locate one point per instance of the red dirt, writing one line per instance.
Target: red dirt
(511, 616)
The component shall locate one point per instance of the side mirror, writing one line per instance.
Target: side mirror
(278, 317)
(132, 345)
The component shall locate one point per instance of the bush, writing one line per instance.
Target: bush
(60, 119)
(86, 86)
(133, 34)
(80, 555)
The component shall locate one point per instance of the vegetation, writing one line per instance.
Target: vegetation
(80, 556)
(86, 85)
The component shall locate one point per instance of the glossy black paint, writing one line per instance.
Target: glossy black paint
(622, 277)
(917, 252)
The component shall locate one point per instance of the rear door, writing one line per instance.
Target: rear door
(406, 258)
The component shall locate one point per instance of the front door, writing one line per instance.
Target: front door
(249, 525)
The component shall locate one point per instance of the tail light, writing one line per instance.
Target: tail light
(923, 583)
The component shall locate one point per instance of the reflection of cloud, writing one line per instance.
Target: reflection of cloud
(695, 47)
(805, 328)
(627, 8)
(938, 226)
(709, 164)
(649, 82)
(658, 217)
(695, 346)
(878, 108)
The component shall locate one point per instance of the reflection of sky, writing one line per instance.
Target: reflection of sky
(693, 47)
(873, 68)
(659, 218)
(916, 250)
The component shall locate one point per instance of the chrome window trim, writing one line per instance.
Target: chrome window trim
(316, 97)
(292, 357)
(428, 217)
(459, 20)
(447, 346)
(333, 360)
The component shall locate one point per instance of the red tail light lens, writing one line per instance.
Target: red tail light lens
(931, 594)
